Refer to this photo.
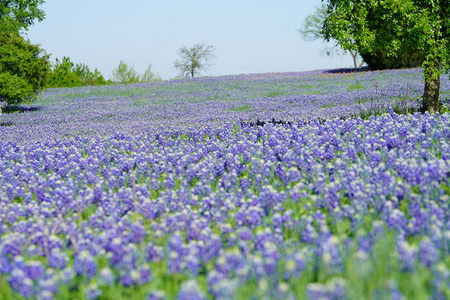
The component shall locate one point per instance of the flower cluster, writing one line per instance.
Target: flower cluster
(306, 209)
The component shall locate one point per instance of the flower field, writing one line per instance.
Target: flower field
(259, 186)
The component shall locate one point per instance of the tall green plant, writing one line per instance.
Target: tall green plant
(62, 74)
(124, 73)
(150, 75)
(66, 74)
(311, 30)
(24, 68)
(20, 14)
(88, 77)
(393, 25)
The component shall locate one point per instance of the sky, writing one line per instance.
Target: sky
(249, 36)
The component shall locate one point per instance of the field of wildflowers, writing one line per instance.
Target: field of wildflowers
(259, 186)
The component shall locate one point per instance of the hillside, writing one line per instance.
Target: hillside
(177, 190)
(212, 101)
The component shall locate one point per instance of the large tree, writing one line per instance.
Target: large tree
(20, 14)
(393, 25)
(311, 30)
(195, 59)
(24, 68)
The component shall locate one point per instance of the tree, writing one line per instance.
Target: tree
(394, 25)
(62, 74)
(150, 76)
(24, 68)
(194, 60)
(88, 77)
(125, 74)
(20, 14)
(311, 30)
(66, 74)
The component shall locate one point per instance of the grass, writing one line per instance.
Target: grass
(356, 86)
(274, 93)
(241, 108)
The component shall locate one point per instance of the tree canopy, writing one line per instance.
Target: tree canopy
(393, 26)
(194, 60)
(24, 68)
(311, 30)
(124, 73)
(20, 14)
(66, 74)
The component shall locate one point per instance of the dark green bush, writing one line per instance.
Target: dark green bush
(405, 58)
(24, 67)
(66, 74)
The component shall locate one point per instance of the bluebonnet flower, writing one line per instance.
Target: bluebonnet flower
(92, 291)
(224, 288)
(253, 201)
(45, 295)
(190, 290)
(174, 262)
(85, 264)
(57, 259)
(34, 269)
(21, 283)
(428, 253)
(106, 277)
(156, 295)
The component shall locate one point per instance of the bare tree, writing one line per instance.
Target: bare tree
(195, 59)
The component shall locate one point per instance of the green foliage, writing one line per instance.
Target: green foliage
(241, 108)
(356, 86)
(66, 74)
(62, 74)
(379, 59)
(194, 60)
(124, 73)
(24, 67)
(396, 27)
(20, 14)
(150, 76)
(87, 76)
(274, 93)
(311, 30)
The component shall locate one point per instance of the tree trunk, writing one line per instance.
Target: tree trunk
(355, 57)
(431, 93)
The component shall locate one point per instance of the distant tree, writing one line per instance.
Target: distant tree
(194, 60)
(66, 74)
(24, 67)
(125, 74)
(20, 14)
(311, 30)
(88, 77)
(62, 74)
(150, 76)
(394, 25)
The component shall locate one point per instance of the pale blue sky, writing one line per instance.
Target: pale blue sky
(250, 36)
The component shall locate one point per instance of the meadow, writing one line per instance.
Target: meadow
(313, 185)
